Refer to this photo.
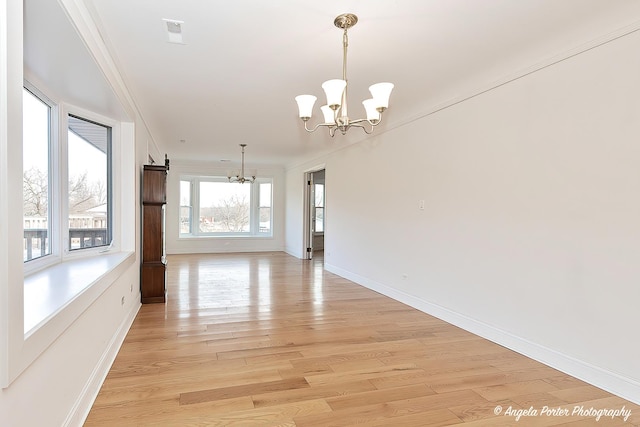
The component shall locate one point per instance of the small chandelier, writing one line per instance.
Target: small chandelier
(241, 178)
(335, 112)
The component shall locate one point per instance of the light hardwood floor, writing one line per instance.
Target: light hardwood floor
(270, 340)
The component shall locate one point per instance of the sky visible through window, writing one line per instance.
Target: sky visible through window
(85, 165)
(35, 133)
(35, 128)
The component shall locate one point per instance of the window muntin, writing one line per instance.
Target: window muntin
(224, 208)
(36, 173)
(89, 184)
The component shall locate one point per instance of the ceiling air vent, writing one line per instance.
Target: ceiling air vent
(174, 30)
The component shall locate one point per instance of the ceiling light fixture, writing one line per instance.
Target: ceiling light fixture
(335, 112)
(241, 178)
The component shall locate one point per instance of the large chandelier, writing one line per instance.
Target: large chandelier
(241, 178)
(335, 112)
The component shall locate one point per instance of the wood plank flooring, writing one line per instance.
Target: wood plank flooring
(270, 340)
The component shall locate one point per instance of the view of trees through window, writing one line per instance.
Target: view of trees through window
(87, 197)
(35, 174)
(89, 149)
(223, 207)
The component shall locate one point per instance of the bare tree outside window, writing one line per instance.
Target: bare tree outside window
(35, 190)
(211, 205)
(233, 213)
(85, 195)
(224, 207)
(87, 198)
(36, 144)
(88, 185)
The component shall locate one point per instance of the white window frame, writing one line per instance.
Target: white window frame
(109, 167)
(66, 110)
(50, 164)
(53, 201)
(59, 181)
(254, 206)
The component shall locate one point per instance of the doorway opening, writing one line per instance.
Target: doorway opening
(314, 213)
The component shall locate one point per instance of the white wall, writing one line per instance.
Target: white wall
(186, 245)
(294, 213)
(58, 386)
(530, 234)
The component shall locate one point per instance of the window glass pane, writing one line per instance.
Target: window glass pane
(89, 147)
(224, 207)
(319, 190)
(265, 208)
(319, 208)
(185, 207)
(319, 220)
(36, 177)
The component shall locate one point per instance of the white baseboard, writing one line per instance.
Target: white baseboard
(612, 382)
(80, 410)
(293, 252)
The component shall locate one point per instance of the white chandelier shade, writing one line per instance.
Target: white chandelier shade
(334, 90)
(381, 93)
(327, 112)
(305, 105)
(335, 111)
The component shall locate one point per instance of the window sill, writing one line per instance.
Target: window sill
(48, 291)
(220, 236)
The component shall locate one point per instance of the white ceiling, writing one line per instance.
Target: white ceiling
(243, 62)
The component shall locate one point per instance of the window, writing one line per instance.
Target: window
(36, 176)
(319, 208)
(66, 204)
(265, 207)
(89, 192)
(186, 210)
(224, 208)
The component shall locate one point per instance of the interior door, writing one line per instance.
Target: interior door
(309, 214)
